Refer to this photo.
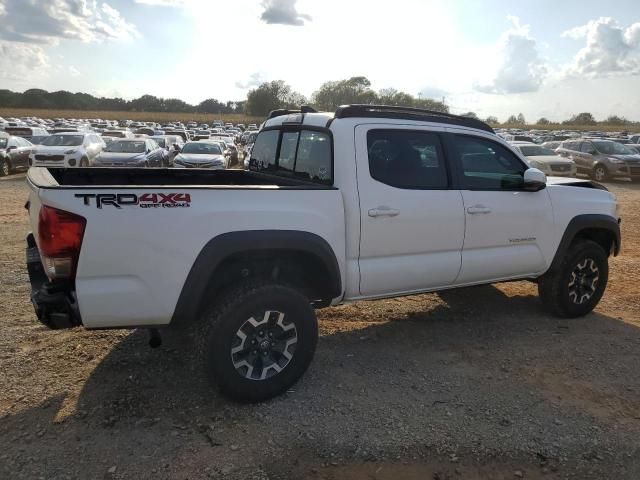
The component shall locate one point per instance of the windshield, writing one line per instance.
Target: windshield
(126, 147)
(612, 148)
(202, 148)
(203, 132)
(535, 151)
(3, 142)
(63, 141)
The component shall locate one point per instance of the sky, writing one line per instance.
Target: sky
(493, 57)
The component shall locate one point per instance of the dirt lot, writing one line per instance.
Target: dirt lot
(472, 384)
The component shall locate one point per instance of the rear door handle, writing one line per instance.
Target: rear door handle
(383, 212)
(478, 209)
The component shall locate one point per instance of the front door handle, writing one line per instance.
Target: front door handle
(383, 212)
(478, 209)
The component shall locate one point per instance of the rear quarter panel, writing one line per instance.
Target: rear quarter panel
(134, 261)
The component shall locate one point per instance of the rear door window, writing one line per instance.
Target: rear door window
(407, 159)
(303, 154)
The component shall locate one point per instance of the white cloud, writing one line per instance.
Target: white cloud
(48, 21)
(520, 68)
(254, 80)
(74, 72)
(22, 62)
(610, 49)
(282, 12)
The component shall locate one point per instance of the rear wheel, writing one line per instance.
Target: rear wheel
(576, 286)
(600, 173)
(5, 167)
(258, 341)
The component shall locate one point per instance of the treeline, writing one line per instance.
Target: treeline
(582, 120)
(259, 102)
(271, 96)
(63, 100)
(277, 94)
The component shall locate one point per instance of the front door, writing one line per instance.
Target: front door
(412, 221)
(508, 230)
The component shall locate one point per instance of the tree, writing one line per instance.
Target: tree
(470, 115)
(491, 120)
(616, 120)
(211, 105)
(516, 120)
(146, 103)
(543, 121)
(429, 104)
(342, 92)
(584, 118)
(272, 96)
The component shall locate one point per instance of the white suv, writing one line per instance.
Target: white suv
(68, 149)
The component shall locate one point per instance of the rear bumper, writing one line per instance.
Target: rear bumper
(54, 303)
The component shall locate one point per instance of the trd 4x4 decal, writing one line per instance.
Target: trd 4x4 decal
(146, 200)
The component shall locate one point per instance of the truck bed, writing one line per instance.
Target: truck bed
(118, 177)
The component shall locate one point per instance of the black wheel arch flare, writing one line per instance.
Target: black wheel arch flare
(223, 246)
(586, 223)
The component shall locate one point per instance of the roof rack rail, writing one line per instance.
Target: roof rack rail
(285, 111)
(281, 111)
(409, 113)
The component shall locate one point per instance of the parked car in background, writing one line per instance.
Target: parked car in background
(201, 135)
(69, 149)
(231, 153)
(171, 144)
(635, 147)
(14, 154)
(180, 133)
(201, 154)
(602, 159)
(552, 144)
(118, 133)
(27, 132)
(546, 160)
(138, 152)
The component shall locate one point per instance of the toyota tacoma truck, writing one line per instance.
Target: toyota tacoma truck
(363, 203)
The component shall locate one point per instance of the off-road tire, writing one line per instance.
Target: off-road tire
(561, 290)
(220, 336)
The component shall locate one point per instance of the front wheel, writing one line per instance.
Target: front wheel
(5, 167)
(576, 286)
(600, 173)
(258, 341)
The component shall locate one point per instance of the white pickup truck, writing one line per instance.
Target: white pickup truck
(364, 203)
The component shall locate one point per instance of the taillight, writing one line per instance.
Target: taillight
(60, 237)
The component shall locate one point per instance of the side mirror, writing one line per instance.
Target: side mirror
(148, 150)
(12, 147)
(534, 180)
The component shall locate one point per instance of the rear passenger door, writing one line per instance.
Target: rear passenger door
(412, 220)
(508, 230)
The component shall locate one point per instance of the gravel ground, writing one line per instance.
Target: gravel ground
(476, 384)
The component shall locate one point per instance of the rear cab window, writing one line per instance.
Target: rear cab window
(301, 153)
